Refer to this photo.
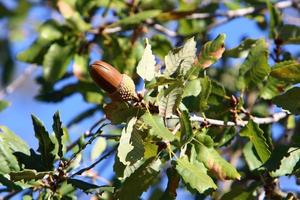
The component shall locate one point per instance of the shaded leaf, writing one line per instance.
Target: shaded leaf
(27, 175)
(255, 68)
(226, 137)
(257, 138)
(59, 132)
(185, 127)
(289, 34)
(89, 187)
(161, 80)
(50, 31)
(157, 127)
(46, 146)
(55, 62)
(113, 110)
(139, 181)
(275, 19)
(288, 71)
(8, 161)
(131, 148)
(173, 183)
(222, 169)
(240, 193)
(206, 88)
(183, 57)
(169, 102)
(194, 175)
(273, 87)
(146, 67)
(212, 51)
(11, 186)
(289, 100)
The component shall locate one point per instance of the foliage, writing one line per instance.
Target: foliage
(199, 119)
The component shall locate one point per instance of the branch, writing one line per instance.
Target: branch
(95, 163)
(17, 82)
(264, 120)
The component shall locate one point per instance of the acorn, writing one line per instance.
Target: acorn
(119, 87)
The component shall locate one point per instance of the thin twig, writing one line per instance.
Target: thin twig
(264, 120)
(95, 163)
(17, 82)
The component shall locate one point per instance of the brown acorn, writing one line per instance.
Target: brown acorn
(120, 87)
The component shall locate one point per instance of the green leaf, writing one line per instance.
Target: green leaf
(123, 171)
(59, 132)
(206, 88)
(169, 101)
(226, 137)
(137, 18)
(241, 49)
(240, 193)
(212, 51)
(46, 146)
(255, 68)
(185, 127)
(56, 61)
(89, 187)
(131, 148)
(14, 142)
(273, 87)
(182, 57)
(146, 67)
(257, 138)
(222, 169)
(98, 148)
(161, 80)
(275, 19)
(10, 185)
(139, 181)
(288, 163)
(157, 127)
(288, 71)
(160, 45)
(192, 88)
(27, 175)
(194, 175)
(35, 53)
(113, 110)
(252, 161)
(3, 105)
(50, 31)
(289, 100)
(8, 161)
(289, 34)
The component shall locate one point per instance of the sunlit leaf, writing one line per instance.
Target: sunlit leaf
(194, 175)
(287, 71)
(273, 87)
(212, 51)
(192, 88)
(13, 140)
(255, 68)
(146, 67)
(222, 169)
(27, 174)
(8, 161)
(182, 57)
(80, 66)
(169, 102)
(241, 50)
(131, 148)
(206, 87)
(252, 161)
(98, 148)
(157, 127)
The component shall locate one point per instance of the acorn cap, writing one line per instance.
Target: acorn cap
(125, 91)
(106, 76)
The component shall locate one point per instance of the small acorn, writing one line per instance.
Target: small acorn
(120, 87)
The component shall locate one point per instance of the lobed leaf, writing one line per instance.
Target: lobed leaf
(169, 102)
(59, 132)
(46, 146)
(146, 67)
(183, 57)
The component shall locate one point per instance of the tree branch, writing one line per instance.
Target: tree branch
(264, 120)
(17, 82)
(95, 163)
